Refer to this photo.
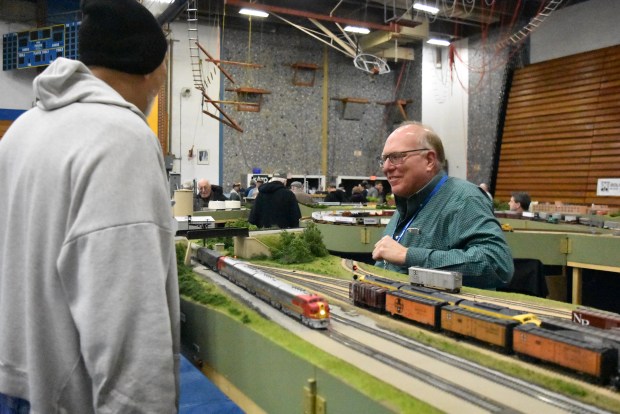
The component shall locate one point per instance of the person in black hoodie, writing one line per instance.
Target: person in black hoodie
(207, 192)
(275, 205)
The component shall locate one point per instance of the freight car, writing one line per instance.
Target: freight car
(427, 306)
(438, 279)
(582, 348)
(597, 318)
(310, 308)
(585, 349)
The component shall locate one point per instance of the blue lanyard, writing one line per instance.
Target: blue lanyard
(420, 207)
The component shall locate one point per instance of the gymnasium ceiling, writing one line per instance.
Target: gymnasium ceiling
(394, 24)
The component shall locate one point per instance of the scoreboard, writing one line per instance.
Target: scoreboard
(40, 46)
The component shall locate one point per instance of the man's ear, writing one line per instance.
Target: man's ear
(431, 158)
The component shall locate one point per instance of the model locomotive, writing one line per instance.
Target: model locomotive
(507, 329)
(312, 310)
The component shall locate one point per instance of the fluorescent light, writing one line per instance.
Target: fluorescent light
(252, 12)
(356, 29)
(425, 8)
(438, 42)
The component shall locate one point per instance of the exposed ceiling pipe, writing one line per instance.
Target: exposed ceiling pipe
(392, 27)
(310, 33)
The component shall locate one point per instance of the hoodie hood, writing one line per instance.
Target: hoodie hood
(67, 81)
(271, 187)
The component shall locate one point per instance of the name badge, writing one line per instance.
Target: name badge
(413, 230)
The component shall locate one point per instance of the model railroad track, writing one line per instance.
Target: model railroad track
(334, 288)
(540, 310)
(523, 387)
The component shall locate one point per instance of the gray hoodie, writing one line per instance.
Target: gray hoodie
(89, 302)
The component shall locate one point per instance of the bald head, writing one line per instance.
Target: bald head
(204, 188)
(413, 154)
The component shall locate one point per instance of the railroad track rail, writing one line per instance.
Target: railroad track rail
(548, 397)
(338, 289)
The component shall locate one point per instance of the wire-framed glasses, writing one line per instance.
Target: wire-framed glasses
(397, 158)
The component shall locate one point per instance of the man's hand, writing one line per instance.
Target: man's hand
(390, 250)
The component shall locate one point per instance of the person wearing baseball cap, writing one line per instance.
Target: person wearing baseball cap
(90, 300)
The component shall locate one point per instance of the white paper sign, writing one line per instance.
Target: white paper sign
(608, 187)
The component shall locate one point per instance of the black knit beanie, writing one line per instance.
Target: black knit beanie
(121, 35)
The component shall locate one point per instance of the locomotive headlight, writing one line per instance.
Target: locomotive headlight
(322, 312)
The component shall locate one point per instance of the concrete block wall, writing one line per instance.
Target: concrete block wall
(489, 73)
(287, 132)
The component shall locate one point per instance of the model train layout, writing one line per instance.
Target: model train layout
(312, 310)
(590, 345)
(584, 349)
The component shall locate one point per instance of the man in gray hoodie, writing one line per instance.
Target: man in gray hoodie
(89, 301)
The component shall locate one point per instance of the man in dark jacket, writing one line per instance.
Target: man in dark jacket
(275, 205)
(207, 192)
(335, 195)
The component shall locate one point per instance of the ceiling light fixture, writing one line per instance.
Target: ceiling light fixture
(425, 8)
(253, 12)
(438, 42)
(357, 29)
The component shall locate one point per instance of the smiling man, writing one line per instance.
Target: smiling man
(441, 222)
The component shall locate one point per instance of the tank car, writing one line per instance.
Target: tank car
(434, 278)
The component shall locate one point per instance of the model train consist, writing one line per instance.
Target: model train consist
(509, 330)
(312, 310)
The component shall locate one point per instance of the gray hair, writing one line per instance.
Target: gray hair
(431, 140)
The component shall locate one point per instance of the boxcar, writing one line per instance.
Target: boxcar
(597, 318)
(564, 349)
(484, 328)
(438, 279)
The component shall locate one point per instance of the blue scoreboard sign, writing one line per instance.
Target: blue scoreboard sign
(39, 47)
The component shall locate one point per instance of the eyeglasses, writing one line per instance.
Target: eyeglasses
(397, 158)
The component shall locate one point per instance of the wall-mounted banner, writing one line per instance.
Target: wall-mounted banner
(608, 187)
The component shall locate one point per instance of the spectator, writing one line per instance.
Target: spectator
(364, 185)
(519, 202)
(251, 187)
(441, 222)
(275, 205)
(302, 197)
(377, 192)
(357, 195)
(254, 191)
(89, 308)
(335, 195)
(207, 192)
(235, 193)
(372, 191)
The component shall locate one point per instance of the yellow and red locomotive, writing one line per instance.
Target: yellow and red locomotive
(311, 309)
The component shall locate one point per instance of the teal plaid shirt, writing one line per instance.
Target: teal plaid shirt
(456, 230)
